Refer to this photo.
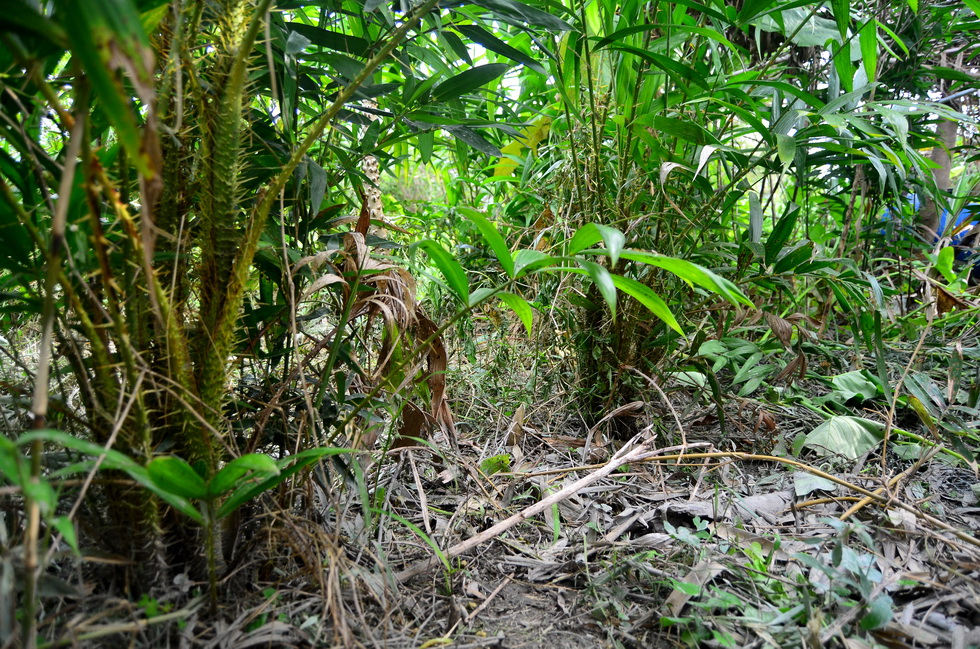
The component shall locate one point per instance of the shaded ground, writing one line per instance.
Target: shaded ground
(700, 551)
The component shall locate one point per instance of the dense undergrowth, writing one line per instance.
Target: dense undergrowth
(348, 323)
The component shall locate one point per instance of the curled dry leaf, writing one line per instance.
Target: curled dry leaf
(322, 282)
(438, 362)
(313, 261)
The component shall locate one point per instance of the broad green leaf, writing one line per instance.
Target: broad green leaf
(603, 281)
(692, 273)
(519, 306)
(585, 237)
(645, 296)
(468, 81)
(855, 384)
(246, 467)
(805, 483)
(786, 149)
(173, 475)
(880, 613)
(869, 48)
(479, 35)
(527, 259)
(450, 268)
(288, 466)
(493, 237)
(781, 233)
(850, 437)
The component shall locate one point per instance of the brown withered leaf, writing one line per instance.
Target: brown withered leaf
(415, 426)
(946, 301)
(796, 367)
(438, 362)
(782, 329)
(515, 433)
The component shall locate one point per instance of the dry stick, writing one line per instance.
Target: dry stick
(863, 502)
(486, 602)
(614, 463)
(39, 408)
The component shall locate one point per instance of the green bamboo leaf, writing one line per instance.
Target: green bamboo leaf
(781, 233)
(510, 9)
(756, 218)
(620, 34)
(786, 149)
(468, 136)
(603, 281)
(645, 296)
(692, 273)
(468, 81)
(526, 260)
(801, 253)
(869, 48)
(450, 268)
(456, 45)
(111, 460)
(174, 475)
(21, 16)
(585, 237)
(679, 128)
(614, 240)
(493, 237)
(519, 306)
(680, 73)
(479, 35)
(331, 40)
(244, 467)
(842, 15)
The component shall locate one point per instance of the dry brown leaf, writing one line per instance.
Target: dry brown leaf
(700, 575)
(414, 427)
(322, 282)
(781, 329)
(515, 433)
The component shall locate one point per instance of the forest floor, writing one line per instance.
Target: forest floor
(724, 542)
